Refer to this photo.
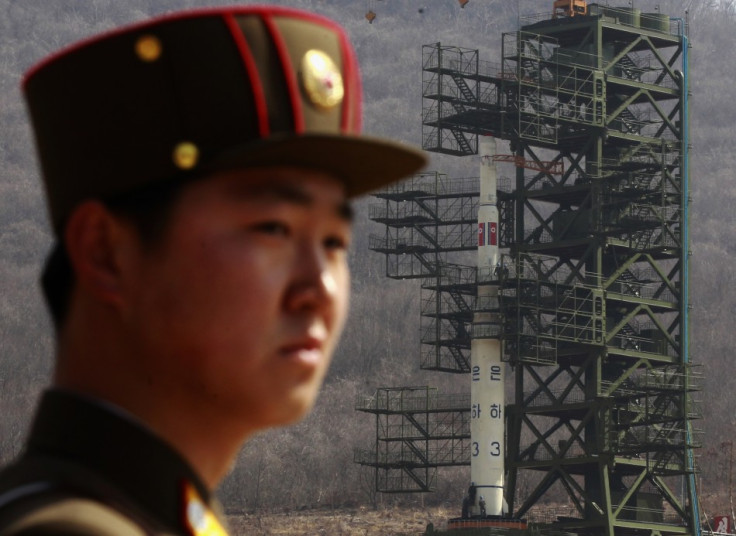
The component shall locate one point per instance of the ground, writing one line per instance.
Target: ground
(396, 521)
(347, 522)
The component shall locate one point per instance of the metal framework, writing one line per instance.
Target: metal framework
(593, 291)
(417, 431)
(594, 288)
(431, 222)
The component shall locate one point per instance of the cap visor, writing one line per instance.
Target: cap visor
(362, 163)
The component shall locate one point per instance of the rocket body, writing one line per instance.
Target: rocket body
(487, 434)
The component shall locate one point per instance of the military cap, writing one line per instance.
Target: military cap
(190, 93)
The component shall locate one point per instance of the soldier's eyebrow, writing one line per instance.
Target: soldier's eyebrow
(292, 193)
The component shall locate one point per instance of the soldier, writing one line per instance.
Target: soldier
(198, 170)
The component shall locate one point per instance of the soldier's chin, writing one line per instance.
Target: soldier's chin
(293, 410)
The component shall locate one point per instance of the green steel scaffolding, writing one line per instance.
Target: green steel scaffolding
(593, 295)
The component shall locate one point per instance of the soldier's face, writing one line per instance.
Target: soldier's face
(241, 306)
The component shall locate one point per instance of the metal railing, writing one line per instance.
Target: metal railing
(406, 399)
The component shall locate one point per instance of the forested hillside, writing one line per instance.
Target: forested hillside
(310, 464)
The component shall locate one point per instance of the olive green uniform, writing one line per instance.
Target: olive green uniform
(89, 469)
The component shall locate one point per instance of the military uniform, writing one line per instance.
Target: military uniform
(91, 469)
(174, 99)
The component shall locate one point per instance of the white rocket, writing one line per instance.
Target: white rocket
(487, 414)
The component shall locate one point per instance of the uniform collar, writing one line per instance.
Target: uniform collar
(120, 450)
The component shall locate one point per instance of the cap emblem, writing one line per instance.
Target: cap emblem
(321, 80)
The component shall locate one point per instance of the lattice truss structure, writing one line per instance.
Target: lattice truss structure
(430, 227)
(417, 431)
(593, 288)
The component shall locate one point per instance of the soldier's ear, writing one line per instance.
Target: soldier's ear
(96, 241)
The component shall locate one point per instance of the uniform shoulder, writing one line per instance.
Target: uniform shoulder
(74, 517)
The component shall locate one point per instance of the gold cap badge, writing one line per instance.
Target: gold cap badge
(322, 80)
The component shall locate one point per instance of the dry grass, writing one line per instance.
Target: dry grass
(390, 521)
(348, 522)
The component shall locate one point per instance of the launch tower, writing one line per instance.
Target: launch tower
(592, 284)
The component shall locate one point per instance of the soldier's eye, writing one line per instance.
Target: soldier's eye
(272, 228)
(336, 242)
